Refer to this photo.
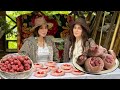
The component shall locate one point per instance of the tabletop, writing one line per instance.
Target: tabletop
(112, 75)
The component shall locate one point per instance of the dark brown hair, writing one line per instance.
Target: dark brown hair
(84, 36)
(35, 33)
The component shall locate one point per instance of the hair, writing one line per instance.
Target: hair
(84, 37)
(35, 33)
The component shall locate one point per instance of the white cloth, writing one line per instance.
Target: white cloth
(112, 75)
(77, 50)
(43, 54)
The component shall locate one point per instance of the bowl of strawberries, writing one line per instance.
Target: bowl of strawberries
(16, 66)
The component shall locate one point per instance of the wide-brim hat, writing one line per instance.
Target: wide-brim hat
(82, 22)
(101, 72)
(40, 21)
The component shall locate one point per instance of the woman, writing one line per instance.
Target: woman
(40, 47)
(80, 48)
(75, 43)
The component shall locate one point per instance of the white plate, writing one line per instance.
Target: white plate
(101, 72)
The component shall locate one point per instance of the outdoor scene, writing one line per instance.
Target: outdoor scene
(59, 44)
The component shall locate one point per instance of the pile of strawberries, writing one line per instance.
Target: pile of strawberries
(15, 63)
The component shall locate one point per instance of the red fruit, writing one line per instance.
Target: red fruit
(14, 67)
(5, 65)
(0, 65)
(26, 65)
(25, 62)
(17, 69)
(15, 58)
(21, 68)
(20, 58)
(6, 62)
(12, 63)
(26, 57)
(29, 62)
(9, 66)
(11, 70)
(3, 68)
(19, 63)
(27, 68)
(15, 61)
(7, 70)
(11, 60)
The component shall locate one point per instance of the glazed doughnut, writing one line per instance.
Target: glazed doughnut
(38, 65)
(35, 69)
(53, 67)
(67, 70)
(45, 68)
(40, 74)
(58, 72)
(66, 66)
(50, 63)
(77, 72)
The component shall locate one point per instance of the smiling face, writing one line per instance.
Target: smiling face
(43, 30)
(77, 31)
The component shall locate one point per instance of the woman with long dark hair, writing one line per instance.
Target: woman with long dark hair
(40, 47)
(75, 42)
(84, 53)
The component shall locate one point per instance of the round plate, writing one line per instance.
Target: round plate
(101, 72)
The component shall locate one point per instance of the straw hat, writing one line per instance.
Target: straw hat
(82, 22)
(40, 21)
